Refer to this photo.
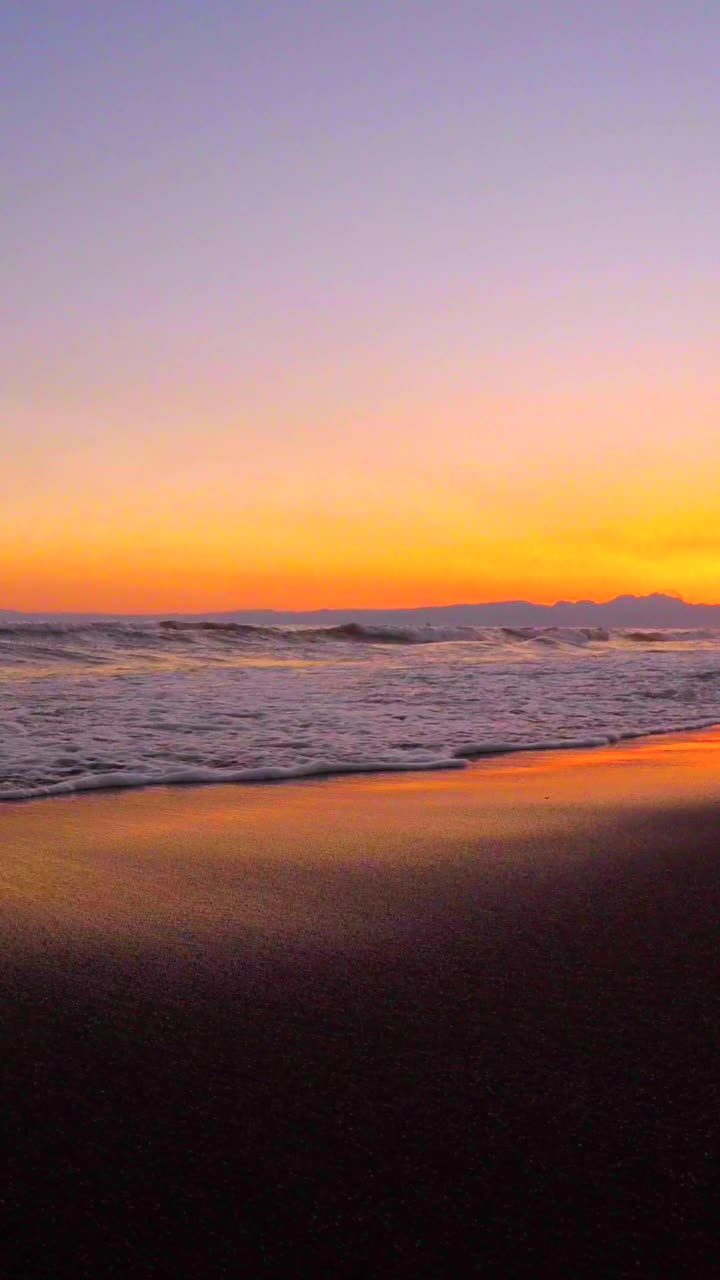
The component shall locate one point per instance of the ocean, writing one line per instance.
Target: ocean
(118, 703)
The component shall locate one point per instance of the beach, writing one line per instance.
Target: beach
(359, 1026)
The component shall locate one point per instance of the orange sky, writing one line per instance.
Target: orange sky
(516, 498)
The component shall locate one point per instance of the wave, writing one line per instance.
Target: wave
(430, 634)
(38, 629)
(667, 636)
(476, 751)
(103, 639)
(136, 779)
(222, 628)
(558, 635)
(378, 634)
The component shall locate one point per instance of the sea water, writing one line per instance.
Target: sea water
(117, 703)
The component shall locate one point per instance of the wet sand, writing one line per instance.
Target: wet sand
(359, 1027)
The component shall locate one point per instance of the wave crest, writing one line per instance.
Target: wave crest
(154, 633)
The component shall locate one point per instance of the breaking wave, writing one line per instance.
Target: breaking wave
(668, 636)
(123, 780)
(357, 633)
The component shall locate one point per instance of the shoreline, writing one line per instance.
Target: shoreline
(357, 1027)
(460, 758)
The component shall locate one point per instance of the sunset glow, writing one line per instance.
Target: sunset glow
(382, 307)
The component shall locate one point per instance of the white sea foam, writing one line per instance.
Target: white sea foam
(85, 706)
(553, 744)
(134, 779)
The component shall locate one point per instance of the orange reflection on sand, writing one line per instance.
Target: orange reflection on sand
(316, 860)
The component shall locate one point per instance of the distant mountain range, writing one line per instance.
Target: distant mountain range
(656, 610)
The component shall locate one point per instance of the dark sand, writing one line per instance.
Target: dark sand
(451, 1024)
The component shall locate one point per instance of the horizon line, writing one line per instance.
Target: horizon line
(459, 604)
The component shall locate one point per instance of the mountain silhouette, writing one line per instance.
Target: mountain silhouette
(657, 610)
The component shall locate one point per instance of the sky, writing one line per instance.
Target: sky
(378, 302)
